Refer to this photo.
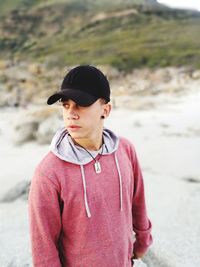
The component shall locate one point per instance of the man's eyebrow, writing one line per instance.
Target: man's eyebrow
(65, 102)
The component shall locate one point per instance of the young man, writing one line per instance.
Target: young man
(86, 201)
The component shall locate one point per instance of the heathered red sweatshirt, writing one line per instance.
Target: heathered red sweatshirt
(80, 218)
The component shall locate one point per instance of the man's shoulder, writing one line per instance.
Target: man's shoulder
(47, 160)
(49, 163)
(45, 171)
(127, 147)
(125, 142)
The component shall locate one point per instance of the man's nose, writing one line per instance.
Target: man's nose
(72, 114)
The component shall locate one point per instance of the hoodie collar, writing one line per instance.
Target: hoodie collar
(64, 148)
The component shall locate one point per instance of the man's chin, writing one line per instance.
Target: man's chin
(75, 135)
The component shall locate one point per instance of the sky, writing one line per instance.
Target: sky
(191, 4)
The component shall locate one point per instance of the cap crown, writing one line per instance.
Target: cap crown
(87, 79)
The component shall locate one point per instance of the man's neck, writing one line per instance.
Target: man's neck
(89, 144)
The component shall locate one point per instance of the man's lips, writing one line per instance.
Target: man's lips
(73, 127)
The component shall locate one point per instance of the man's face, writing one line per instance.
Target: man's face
(84, 122)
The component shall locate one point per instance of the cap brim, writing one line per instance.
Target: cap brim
(79, 97)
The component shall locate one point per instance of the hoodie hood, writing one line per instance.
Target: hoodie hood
(64, 148)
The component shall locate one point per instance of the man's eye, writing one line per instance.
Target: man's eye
(65, 106)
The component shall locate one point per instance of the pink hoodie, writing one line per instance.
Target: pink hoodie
(79, 218)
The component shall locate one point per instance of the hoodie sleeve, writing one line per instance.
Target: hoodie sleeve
(44, 221)
(141, 224)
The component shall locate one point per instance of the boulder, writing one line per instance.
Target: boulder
(196, 75)
(38, 124)
(47, 129)
(20, 190)
(4, 64)
(24, 131)
(35, 69)
(4, 99)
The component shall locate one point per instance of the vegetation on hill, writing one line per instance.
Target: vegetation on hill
(122, 33)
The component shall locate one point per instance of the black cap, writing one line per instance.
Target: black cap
(84, 85)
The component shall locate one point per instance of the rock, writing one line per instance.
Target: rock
(4, 99)
(29, 89)
(44, 112)
(109, 71)
(35, 69)
(23, 83)
(20, 190)
(160, 76)
(3, 64)
(24, 131)
(192, 179)
(37, 124)
(18, 73)
(196, 74)
(47, 129)
(103, 15)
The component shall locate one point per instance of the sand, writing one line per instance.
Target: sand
(167, 141)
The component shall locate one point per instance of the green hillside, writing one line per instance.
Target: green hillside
(119, 33)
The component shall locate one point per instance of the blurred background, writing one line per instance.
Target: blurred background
(150, 52)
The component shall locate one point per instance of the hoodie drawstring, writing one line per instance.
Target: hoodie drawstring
(85, 189)
(85, 192)
(120, 181)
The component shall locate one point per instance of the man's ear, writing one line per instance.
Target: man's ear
(106, 110)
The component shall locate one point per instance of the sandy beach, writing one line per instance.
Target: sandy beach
(167, 141)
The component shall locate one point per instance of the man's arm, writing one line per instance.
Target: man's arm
(141, 224)
(45, 221)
